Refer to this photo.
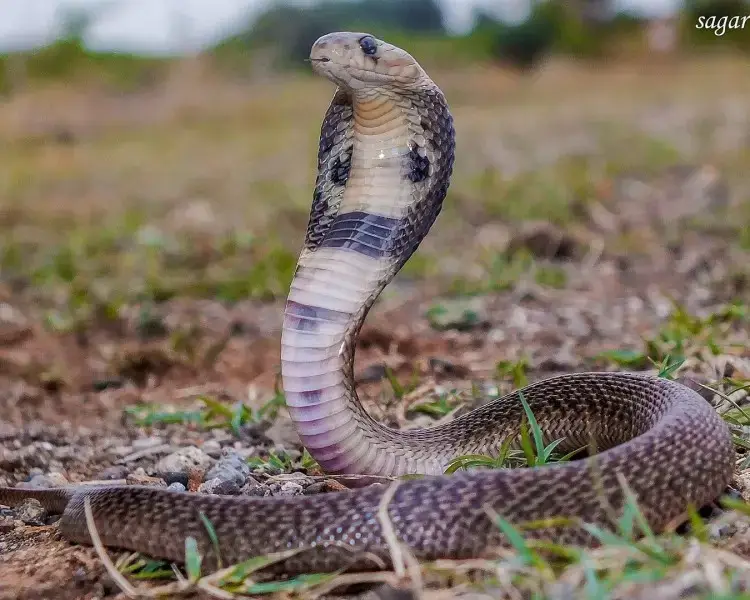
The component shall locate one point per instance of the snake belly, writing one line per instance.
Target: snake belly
(385, 160)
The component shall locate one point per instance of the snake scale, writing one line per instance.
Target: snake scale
(385, 159)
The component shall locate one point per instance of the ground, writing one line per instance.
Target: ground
(598, 219)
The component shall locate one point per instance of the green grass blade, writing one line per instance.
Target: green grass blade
(193, 559)
(212, 536)
(536, 431)
(527, 446)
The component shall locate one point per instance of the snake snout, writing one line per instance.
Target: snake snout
(358, 61)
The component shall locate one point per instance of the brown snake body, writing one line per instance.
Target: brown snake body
(384, 165)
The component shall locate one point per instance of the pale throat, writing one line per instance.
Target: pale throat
(379, 156)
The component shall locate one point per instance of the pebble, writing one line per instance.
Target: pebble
(322, 487)
(80, 575)
(183, 460)
(296, 477)
(6, 524)
(172, 478)
(291, 489)
(244, 452)
(223, 436)
(25, 458)
(212, 448)
(421, 421)
(372, 373)
(141, 479)
(31, 512)
(442, 366)
(114, 472)
(230, 467)
(7, 431)
(176, 487)
(227, 488)
(743, 483)
(221, 487)
(49, 480)
(148, 442)
(256, 489)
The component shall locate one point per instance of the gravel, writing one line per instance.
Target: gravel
(184, 460)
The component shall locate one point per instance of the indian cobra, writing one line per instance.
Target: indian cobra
(385, 159)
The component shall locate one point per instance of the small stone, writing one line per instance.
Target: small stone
(220, 487)
(230, 467)
(80, 575)
(7, 431)
(372, 373)
(448, 368)
(138, 479)
(295, 477)
(31, 512)
(250, 481)
(176, 487)
(256, 489)
(222, 436)
(227, 488)
(244, 452)
(114, 472)
(212, 448)
(291, 489)
(7, 524)
(171, 478)
(207, 487)
(58, 479)
(232, 457)
(226, 474)
(149, 442)
(183, 460)
(49, 480)
(742, 481)
(421, 421)
(325, 486)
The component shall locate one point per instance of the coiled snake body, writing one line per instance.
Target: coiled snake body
(384, 163)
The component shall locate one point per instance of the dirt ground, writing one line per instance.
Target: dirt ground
(595, 220)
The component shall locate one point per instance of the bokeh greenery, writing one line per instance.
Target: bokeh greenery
(288, 30)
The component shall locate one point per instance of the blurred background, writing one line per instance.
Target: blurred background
(157, 159)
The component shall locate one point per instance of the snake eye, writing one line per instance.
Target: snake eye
(369, 45)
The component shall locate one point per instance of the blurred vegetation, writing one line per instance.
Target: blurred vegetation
(84, 266)
(68, 59)
(291, 30)
(286, 31)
